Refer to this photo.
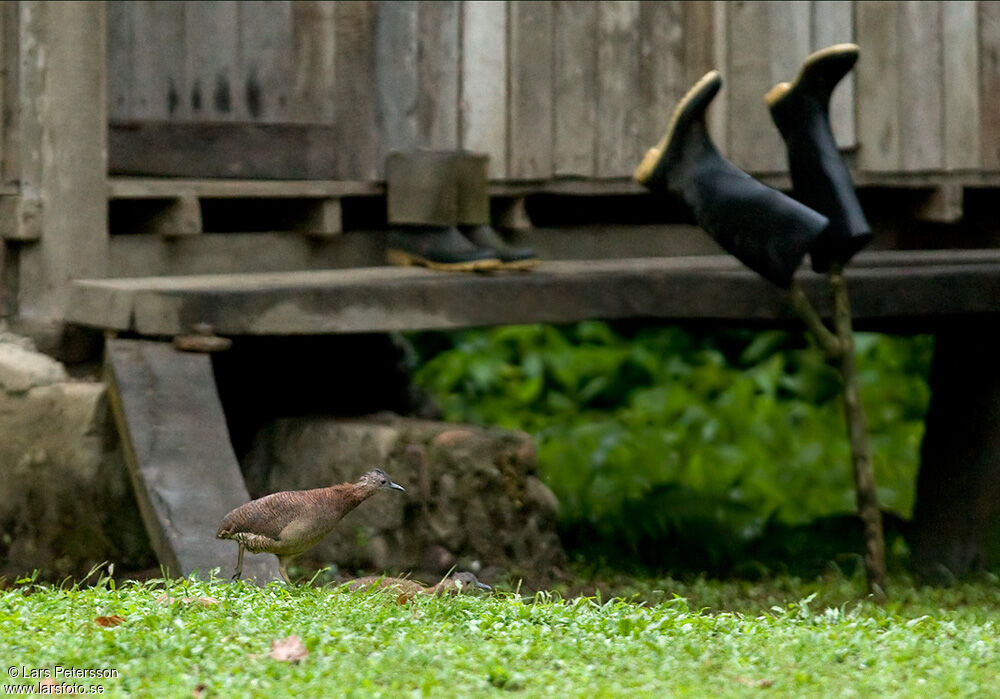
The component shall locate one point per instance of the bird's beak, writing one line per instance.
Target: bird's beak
(483, 586)
(396, 486)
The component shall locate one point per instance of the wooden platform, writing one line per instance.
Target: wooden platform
(918, 289)
(179, 457)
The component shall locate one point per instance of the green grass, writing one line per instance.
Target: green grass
(925, 643)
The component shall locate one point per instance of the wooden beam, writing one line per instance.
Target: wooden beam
(179, 457)
(381, 299)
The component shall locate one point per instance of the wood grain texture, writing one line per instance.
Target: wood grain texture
(313, 72)
(878, 88)
(662, 79)
(120, 62)
(833, 23)
(211, 34)
(989, 84)
(357, 137)
(921, 113)
(483, 117)
(575, 88)
(396, 76)
(959, 26)
(437, 74)
(179, 457)
(265, 65)
(529, 140)
(754, 143)
(159, 70)
(618, 143)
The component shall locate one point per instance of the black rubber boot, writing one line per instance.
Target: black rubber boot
(473, 212)
(820, 178)
(766, 230)
(422, 204)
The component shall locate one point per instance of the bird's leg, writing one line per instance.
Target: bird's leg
(239, 564)
(283, 569)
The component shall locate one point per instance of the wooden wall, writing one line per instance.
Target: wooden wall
(562, 88)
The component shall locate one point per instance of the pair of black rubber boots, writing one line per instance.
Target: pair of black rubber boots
(439, 206)
(765, 229)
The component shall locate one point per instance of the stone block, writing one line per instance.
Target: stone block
(472, 495)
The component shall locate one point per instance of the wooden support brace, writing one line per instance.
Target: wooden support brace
(177, 450)
(513, 215)
(943, 204)
(179, 218)
(324, 220)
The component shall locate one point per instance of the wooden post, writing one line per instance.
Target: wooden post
(60, 166)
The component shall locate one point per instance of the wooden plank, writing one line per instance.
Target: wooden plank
(313, 62)
(529, 140)
(211, 33)
(575, 88)
(833, 23)
(754, 143)
(438, 71)
(989, 84)
(878, 90)
(354, 99)
(921, 122)
(120, 59)
(265, 70)
(618, 143)
(181, 462)
(160, 86)
(483, 114)
(396, 76)
(959, 29)
(229, 150)
(143, 188)
(662, 81)
(706, 47)
(385, 299)
(791, 33)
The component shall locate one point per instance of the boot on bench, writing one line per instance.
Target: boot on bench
(820, 178)
(766, 230)
(472, 182)
(422, 201)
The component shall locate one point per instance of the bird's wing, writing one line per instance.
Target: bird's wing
(266, 516)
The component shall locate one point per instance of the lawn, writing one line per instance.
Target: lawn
(782, 636)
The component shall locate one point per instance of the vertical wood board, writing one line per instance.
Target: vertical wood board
(921, 123)
(212, 48)
(754, 144)
(618, 145)
(483, 114)
(878, 89)
(959, 34)
(989, 84)
(265, 73)
(529, 138)
(120, 67)
(354, 96)
(396, 76)
(437, 74)
(575, 88)
(833, 23)
(160, 85)
(313, 71)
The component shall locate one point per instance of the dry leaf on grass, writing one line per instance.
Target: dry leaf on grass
(288, 650)
(106, 621)
(750, 682)
(199, 690)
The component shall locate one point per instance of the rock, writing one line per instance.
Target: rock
(22, 369)
(67, 503)
(472, 494)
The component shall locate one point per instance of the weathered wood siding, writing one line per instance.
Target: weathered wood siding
(563, 88)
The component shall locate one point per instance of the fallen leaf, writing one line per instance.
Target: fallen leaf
(105, 621)
(198, 691)
(288, 650)
(404, 598)
(750, 682)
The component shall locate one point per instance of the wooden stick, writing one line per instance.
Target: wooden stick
(803, 307)
(857, 428)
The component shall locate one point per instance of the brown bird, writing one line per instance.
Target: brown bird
(453, 585)
(293, 521)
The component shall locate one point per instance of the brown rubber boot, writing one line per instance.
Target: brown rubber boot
(422, 201)
(473, 212)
